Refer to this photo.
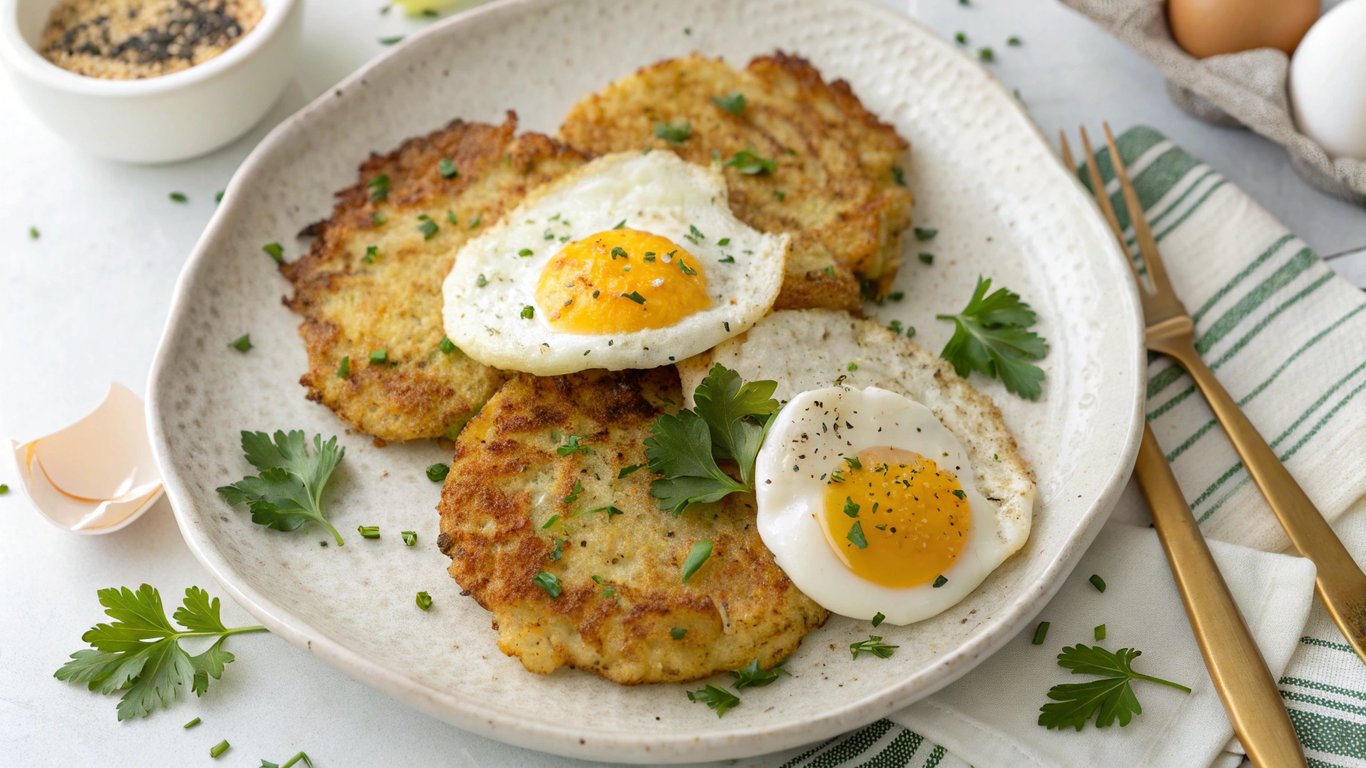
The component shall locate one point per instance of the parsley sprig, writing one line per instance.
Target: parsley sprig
(729, 421)
(1108, 699)
(288, 493)
(991, 335)
(139, 654)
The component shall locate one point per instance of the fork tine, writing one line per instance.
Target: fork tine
(1143, 234)
(1066, 152)
(1103, 199)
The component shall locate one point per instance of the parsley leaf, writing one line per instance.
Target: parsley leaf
(733, 102)
(288, 492)
(718, 699)
(674, 133)
(729, 421)
(750, 164)
(751, 676)
(873, 645)
(991, 335)
(139, 654)
(700, 553)
(1108, 699)
(572, 445)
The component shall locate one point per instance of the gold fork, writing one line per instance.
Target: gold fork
(1235, 664)
(1340, 582)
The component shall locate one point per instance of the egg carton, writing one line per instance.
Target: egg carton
(1247, 89)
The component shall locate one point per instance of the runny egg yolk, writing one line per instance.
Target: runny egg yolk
(618, 281)
(895, 518)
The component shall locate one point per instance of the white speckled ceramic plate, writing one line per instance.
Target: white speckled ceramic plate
(982, 175)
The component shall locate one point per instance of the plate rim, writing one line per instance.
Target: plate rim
(621, 746)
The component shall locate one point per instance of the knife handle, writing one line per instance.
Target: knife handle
(1340, 582)
(1235, 664)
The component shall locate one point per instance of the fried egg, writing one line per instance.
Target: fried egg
(632, 261)
(868, 504)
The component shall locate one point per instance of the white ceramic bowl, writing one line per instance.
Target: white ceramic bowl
(157, 119)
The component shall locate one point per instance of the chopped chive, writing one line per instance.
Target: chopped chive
(390, 40)
(634, 296)
(1100, 632)
(33, 233)
(618, 253)
(678, 633)
(379, 357)
(525, 252)
(896, 296)
(878, 618)
(895, 326)
(694, 234)
(243, 343)
(986, 54)
(960, 494)
(368, 531)
(550, 521)
(687, 270)
(925, 258)
(628, 470)
(371, 253)
(447, 168)
(218, 196)
(574, 493)
(344, 368)
(275, 251)
(723, 241)
(611, 510)
(924, 233)
(939, 581)
(179, 197)
(1097, 582)
(409, 538)
(1040, 633)
(961, 38)
(447, 346)
(424, 600)
(528, 312)
(218, 749)
(855, 535)
(1014, 41)
(898, 176)
(548, 582)
(437, 472)
(699, 554)
(191, 724)
(620, 224)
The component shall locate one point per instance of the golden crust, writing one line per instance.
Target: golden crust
(834, 190)
(507, 482)
(351, 307)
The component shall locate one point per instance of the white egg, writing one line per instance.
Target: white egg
(868, 504)
(1328, 81)
(633, 261)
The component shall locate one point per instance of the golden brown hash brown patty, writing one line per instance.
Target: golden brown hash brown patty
(837, 188)
(512, 507)
(372, 278)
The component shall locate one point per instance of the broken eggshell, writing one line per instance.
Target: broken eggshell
(97, 475)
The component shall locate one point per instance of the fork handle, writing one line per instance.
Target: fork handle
(1235, 664)
(1340, 582)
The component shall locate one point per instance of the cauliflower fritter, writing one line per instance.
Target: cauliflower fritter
(800, 155)
(369, 289)
(537, 487)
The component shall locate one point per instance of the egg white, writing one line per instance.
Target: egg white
(808, 440)
(654, 192)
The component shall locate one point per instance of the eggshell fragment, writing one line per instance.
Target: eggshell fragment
(96, 475)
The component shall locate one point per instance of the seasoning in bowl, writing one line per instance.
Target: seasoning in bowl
(133, 39)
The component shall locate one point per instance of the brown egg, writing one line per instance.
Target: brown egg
(1210, 27)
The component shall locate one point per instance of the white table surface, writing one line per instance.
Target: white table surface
(84, 305)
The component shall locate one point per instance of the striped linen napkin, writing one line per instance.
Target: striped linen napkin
(1288, 339)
